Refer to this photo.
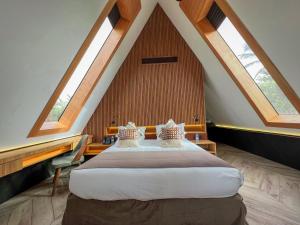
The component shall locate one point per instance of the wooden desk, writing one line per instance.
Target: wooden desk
(16, 159)
(208, 145)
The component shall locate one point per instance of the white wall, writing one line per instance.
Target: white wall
(225, 104)
(39, 39)
(275, 25)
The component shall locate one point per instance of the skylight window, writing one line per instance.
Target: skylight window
(86, 68)
(80, 71)
(255, 69)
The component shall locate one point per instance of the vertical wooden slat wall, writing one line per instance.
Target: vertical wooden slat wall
(149, 94)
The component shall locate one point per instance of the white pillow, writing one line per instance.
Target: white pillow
(127, 143)
(171, 143)
(141, 131)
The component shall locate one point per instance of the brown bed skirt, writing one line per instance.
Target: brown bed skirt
(205, 211)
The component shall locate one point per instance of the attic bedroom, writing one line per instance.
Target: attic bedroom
(149, 112)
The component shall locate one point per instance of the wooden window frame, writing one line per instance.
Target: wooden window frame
(128, 9)
(196, 11)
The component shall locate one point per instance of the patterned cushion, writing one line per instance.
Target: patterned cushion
(169, 124)
(173, 133)
(128, 134)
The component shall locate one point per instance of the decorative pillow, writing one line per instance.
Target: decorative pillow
(170, 134)
(130, 135)
(170, 124)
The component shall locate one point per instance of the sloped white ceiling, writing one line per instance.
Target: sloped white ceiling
(269, 22)
(113, 67)
(275, 25)
(39, 39)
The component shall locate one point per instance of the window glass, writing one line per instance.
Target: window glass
(80, 71)
(255, 68)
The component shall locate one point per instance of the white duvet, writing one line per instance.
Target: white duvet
(144, 184)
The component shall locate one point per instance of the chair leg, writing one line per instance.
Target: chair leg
(55, 180)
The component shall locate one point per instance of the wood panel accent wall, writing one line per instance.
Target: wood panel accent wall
(149, 94)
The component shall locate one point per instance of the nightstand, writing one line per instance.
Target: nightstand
(208, 145)
(95, 148)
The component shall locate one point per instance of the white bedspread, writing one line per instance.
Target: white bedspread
(109, 184)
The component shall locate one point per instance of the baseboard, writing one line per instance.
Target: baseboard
(283, 149)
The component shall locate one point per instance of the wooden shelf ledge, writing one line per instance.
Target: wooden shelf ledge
(16, 159)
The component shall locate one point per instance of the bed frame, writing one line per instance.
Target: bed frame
(191, 129)
(150, 133)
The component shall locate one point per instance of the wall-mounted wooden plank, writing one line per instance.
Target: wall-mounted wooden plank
(153, 93)
(17, 159)
(10, 167)
(33, 159)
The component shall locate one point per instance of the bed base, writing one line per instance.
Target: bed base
(205, 211)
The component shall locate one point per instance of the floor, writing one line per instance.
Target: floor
(271, 193)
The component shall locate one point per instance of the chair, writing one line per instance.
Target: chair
(74, 158)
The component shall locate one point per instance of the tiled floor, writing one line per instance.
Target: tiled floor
(271, 193)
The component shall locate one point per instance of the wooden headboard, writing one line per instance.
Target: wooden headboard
(150, 133)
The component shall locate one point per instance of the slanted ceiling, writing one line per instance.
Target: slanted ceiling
(39, 38)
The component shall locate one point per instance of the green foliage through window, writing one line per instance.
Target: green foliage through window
(256, 69)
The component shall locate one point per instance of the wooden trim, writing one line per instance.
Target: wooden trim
(232, 65)
(40, 121)
(128, 11)
(16, 159)
(282, 133)
(197, 10)
(239, 74)
(13, 148)
(260, 53)
(95, 72)
(95, 148)
(208, 145)
(33, 159)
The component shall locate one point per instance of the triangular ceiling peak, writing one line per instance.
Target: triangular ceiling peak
(150, 94)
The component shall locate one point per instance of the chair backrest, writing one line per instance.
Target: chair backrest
(80, 148)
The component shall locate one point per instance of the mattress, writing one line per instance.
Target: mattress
(108, 184)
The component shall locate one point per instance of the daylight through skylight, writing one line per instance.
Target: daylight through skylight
(255, 69)
(80, 71)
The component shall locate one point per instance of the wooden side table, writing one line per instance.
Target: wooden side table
(95, 148)
(208, 145)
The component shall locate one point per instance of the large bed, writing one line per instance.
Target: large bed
(153, 185)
